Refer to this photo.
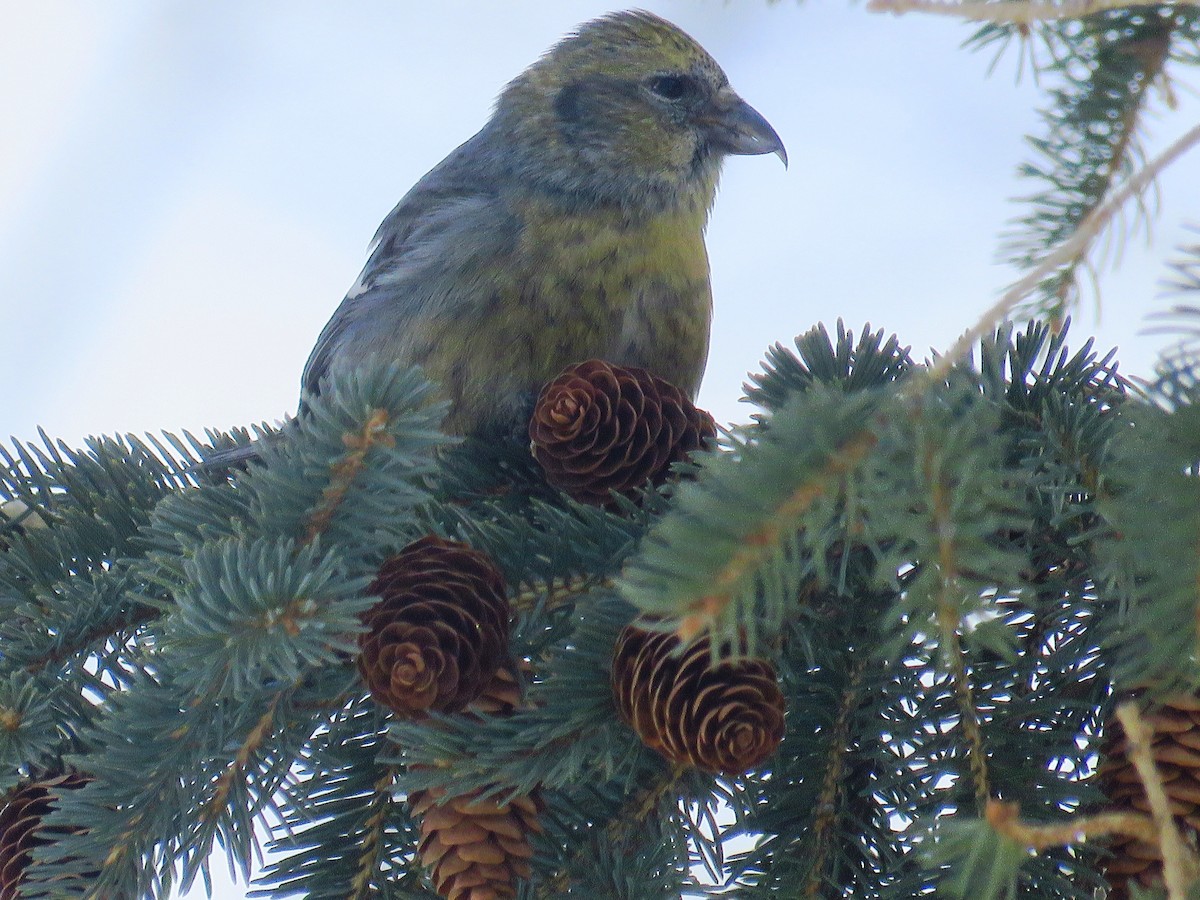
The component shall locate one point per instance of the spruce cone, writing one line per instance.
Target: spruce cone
(502, 696)
(439, 631)
(1176, 750)
(724, 720)
(600, 427)
(20, 826)
(475, 849)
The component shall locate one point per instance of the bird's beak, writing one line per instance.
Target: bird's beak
(739, 129)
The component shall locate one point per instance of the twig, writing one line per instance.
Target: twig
(636, 810)
(1179, 865)
(832, 787)
(132, 619)
(763, 540)
(1005, 819)
(253, 741)
(557, 591)
(374, 833)
(1013, 12)
(1061, 255)
(347, 469)
(949, 621)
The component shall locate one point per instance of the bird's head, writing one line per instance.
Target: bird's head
(628, 110)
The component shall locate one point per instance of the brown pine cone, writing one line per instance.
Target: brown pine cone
(20, 826)
(600, 427)
(1176, 750)
(439, 631)
(724, 720)
(475, 849)
(502, 696)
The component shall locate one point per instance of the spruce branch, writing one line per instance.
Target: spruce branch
(1092, 142)
(558, 591)
(823, 826)
(1180, 865)
(1152, 501)
(345, 832)
(1068, 250)
(235, 769)
(360, 459)
(566, 733)
(1011, 12)
(758, 544)
(343, 473)
(985, 857)
(949, 622)
(632, 815)
(734, 550)
(1106, 62)
(850, 366)
(130, 619)
(129, 847)
(375, 827)
(255, 614)
(1005, 818)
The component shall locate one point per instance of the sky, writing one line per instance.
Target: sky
(188, 189)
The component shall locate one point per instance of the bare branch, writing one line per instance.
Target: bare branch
(1013, 12)
(1005, 819)
(1063, 254)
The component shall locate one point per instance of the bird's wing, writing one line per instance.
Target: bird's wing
(449, 220)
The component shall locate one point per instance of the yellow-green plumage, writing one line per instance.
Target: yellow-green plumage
(571, 226)
(577, 287)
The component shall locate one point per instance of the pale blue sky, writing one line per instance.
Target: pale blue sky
(188, 189)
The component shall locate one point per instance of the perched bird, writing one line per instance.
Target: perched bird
(570, 227)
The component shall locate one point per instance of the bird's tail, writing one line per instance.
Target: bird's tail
(228, 458)
(219, 459)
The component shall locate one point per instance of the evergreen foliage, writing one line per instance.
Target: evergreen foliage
(1102, 71)
(957, 567)
(932, 567)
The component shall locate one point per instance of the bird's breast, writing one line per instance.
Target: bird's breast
(565, 288)
(634, 291)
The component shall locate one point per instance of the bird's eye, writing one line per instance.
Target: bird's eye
(671, 87)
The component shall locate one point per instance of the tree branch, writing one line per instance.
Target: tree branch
(1005, 819)
(949, 620)
(1015, 12)
(832, 787)
(346, 470)
(757, 545)
(1061, 255)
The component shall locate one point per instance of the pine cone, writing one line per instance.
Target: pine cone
(503, 695)
(724, 720)
(20, 826)
(475, 849)
(1176, 750)
(599, 428)
(439, 631)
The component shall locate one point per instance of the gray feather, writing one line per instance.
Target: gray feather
(420, 262)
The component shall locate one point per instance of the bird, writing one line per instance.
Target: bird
(569, 227)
